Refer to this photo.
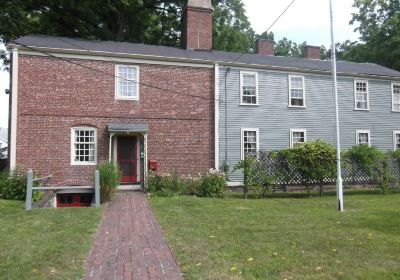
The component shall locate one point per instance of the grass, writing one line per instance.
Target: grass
(44, 243)
(284, 237)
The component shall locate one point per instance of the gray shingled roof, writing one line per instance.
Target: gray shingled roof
(210, 56)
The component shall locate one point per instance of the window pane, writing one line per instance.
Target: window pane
(84, 145)
(127, 78)
(361, 95)
(249, 88)
(249, 142)
(296, 91)
(363, 138)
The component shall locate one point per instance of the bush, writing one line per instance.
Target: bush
(213, 184)
(13, 184)
(372, 162)
(167, 184)
(110, 175)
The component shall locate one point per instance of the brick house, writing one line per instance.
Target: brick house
(75, 103)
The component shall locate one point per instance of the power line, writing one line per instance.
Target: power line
(105, 72)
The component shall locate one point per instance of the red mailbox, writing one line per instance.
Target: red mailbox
(153, 164)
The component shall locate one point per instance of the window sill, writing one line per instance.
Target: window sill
(83, 163)
(365, 110)
(127, 99)
(250, 105)
(394, 111)
(297, 107)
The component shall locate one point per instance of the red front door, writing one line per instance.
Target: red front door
(127, 159)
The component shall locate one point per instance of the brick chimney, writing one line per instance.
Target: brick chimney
(197, 25)
(265, 47)
(312, 52)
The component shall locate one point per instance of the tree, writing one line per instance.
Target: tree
(286, 47)
(379, 26)
(141, 21)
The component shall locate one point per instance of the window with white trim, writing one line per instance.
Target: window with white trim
(248, 88)
(396, 140)
(296, 91)
(361, 95)
(297, 136)
(127, 82)
(83, 145)
(249, 141)
(395, 97)
(363, 137)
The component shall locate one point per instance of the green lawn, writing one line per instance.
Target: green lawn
(284, 238)
(44, 243)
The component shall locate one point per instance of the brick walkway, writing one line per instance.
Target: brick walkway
(129, 243)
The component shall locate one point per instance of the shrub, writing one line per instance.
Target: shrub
(13, 184)
(372, 162)
(213, 184)
(314, 161)
(110, 175)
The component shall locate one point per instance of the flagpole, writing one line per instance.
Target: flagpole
(339, 182)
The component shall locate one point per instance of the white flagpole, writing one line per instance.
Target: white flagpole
(339, 182)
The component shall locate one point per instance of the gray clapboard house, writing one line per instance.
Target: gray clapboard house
(271, 102)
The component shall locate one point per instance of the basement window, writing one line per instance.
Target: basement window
(74, 199)
(83, 146)
(127, 82)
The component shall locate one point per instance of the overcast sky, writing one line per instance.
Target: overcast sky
(306, 20)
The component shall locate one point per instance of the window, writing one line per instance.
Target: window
(84, 142)
(127, 82)
(396, 139)
(363, 137)
(361, 95)
(248, 88)
(296, 91)
(297, 136)
(396, 97)
(249, 141)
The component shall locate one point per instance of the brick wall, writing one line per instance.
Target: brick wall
(55, 96)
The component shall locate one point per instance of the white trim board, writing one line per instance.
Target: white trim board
(14, 108)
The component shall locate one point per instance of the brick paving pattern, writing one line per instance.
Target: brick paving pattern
(129, 243)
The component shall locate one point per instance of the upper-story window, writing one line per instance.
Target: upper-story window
(396, 97)
(83, 145)
(361, 98)
(297, 136)
(248, 88)
(296, 91)
(249, 141)
(363, 137)
(127, 82)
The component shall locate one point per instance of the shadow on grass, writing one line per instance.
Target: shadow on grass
(303, 194)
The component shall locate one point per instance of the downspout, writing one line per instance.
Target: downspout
(14, 107)
(216, 117)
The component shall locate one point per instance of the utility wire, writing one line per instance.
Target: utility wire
(105, 72)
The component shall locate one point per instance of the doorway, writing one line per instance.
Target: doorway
(127, 158)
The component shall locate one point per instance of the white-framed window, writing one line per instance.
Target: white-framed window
(297, 136)
(396, 140)
(363, 137)
(127, 82)
(396, 97)
(361, 98)
(249, 141)
(248, 88)
(83, 145)
(296, 91)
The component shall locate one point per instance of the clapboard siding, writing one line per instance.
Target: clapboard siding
(274, 118)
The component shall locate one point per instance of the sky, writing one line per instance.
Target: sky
(305, 20)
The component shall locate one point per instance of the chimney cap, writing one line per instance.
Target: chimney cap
(204, 4)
